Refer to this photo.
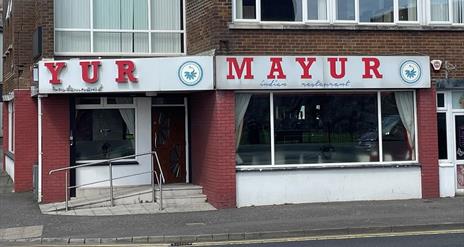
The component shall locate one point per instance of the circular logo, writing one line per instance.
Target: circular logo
(410, 71)
(190, 73)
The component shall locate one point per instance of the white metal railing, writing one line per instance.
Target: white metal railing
(159, 177)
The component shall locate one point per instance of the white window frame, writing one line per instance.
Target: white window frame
(450, 15)
(92, 30)
(11, 122)
(381, 162)
(332, 15)
(105, 106)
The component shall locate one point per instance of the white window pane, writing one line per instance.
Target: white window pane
(245, 9)
(345, 10)
(166, 14)
(166, 43)
(458, 11)
(376, 10)
(72, 14)
(72, 41)
(439, 10)
(317, 9)
(281, 10)
(407, 10)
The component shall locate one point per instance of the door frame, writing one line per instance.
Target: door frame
(186, 119)
(455, 161)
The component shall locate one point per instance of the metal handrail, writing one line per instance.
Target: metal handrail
(159, 178)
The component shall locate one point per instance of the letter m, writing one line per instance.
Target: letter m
(244, 66)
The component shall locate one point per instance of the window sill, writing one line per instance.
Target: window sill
(325, 166)
(340, 26)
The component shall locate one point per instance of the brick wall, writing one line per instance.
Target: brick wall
(25, 145)
(55, 137)
(212, 117)
(428, 144)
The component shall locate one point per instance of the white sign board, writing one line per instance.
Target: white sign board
(126, 75)
(322, 72)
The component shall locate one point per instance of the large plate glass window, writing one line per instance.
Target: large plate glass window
(325, 128)
(252, 129)
(119, 26)
(105, 130)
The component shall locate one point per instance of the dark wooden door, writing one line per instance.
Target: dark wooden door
(168, 139)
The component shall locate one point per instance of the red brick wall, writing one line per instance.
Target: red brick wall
(5, 132)
(25, 146)
(212, 117)
(55, 137)
(428, 142)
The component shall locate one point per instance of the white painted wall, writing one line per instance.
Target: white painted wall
(143, 145)
(327, 185)
(9, 167)
(447, 179)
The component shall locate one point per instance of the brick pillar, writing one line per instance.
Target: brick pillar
(428, 141)
(5, 133)
(55, 146)
(212, 118)
(25, 139)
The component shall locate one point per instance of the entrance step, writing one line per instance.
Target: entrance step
(175, 196)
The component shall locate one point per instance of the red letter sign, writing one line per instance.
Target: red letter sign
(233, 64)
(371, 64)
(126, 70)
(333, 67)
(55, 69)
(306, 64)
(85, 71)
(276, 67)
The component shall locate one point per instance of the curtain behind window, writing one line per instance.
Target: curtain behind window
(458, 11)
(166, 15)
(439, 10)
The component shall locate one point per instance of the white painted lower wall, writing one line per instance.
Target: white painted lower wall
(255, 188)
(9, 167)
(143, 145)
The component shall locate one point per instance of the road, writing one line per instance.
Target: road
(401, 239)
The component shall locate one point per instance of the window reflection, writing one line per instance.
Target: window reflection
(252, 129)
(323, 128)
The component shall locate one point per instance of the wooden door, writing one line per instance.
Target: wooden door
(168, 139)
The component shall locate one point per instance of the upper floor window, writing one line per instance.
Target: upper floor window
(351, 11)
(112, 27)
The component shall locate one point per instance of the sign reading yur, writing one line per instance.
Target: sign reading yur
(322, 72)
(126, 75)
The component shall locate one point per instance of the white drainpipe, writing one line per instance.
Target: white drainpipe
(39, 175)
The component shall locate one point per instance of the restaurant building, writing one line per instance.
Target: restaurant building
(260, 102)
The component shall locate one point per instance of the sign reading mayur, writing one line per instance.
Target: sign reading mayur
(322, 72)
(126, 75)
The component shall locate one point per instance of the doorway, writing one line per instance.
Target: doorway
(169, 141)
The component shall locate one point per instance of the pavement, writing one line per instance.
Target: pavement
(22, 222)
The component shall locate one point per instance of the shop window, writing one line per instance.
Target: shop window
(119, 27)
(319, 128)
(398, 130)
(376, 10)
(252, 129)
(323, 128)
(11, 127)
(442, 138)
(105, 131)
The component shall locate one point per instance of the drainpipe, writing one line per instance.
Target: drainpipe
(39, 189)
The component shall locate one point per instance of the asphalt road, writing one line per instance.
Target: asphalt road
(441, 240)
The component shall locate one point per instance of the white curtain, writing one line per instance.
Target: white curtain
(439, 10)
(458, 11)
(405, 105)
(166, 15)
(120, 14)
(72, 14)
(241, 104)
(239, 9)
(128, 115)
(317, 9)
